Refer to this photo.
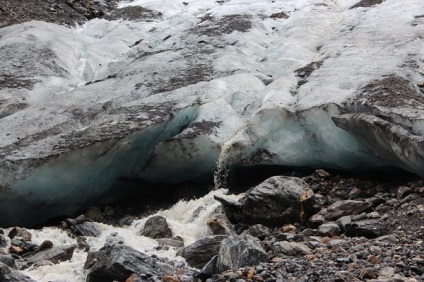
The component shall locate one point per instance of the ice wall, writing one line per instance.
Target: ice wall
(201, 85)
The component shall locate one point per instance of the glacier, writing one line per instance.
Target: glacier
(203, 85)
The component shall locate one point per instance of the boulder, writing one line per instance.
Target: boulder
(8, 260)
(346, 207)
(290, 248)
(276, 201)
(239, 251)
(330, 229)
(118, 262)
(219, 224)
(366, 228)
(201, 251)
(87, 229)
(156, 227)
(8, 274)
(259, 231)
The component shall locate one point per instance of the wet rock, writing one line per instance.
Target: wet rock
(3, 241)
(208, 270)
(20, 232)
(8, 274)
(8, 260)
(259, 231)
(220, 225)
(240, 250)
(276, 201)
(54, 255)
(346, 207)
(176, 241)
(118, 262)
(87, 229)
(201, 251)
(290, 248)
(47, 244)
(156, 227)
(82, 243)
(329, 229)
(366, 228)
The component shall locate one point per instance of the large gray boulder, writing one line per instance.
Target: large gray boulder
(276, 201)
(238, 251)
(156, 227)
(118, 262)
(200, 252)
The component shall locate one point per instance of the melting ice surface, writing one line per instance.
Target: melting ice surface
(186, 219)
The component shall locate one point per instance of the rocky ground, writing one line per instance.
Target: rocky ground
(67, 12)
(321, 227)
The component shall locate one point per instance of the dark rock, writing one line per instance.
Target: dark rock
(201, 251)
(54, 255)
(346, 207)
(8, 274)
(403, 191)
(330, 229)
(365, 228)
(8, 260)
(87, 229)
(343, 221)
(20, 232)
(45, 245)
(3, 241)
(82, 243)
(156, 227)
(259, 231)
(118, 262)
(238, 251)
(208, 270)
(276, 201)
(219, 224)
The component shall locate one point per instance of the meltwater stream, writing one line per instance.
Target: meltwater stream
(187, 219)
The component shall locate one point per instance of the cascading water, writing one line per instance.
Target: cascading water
(186, 219)
(223, 163)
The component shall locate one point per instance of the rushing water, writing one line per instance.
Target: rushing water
(187, 219)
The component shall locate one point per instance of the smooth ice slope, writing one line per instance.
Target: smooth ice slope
(240, 83)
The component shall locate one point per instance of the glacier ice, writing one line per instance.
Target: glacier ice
(330, 85)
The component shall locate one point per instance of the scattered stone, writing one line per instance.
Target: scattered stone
(238, 251)
(47, 244)
(403, 191)
(156, 227)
